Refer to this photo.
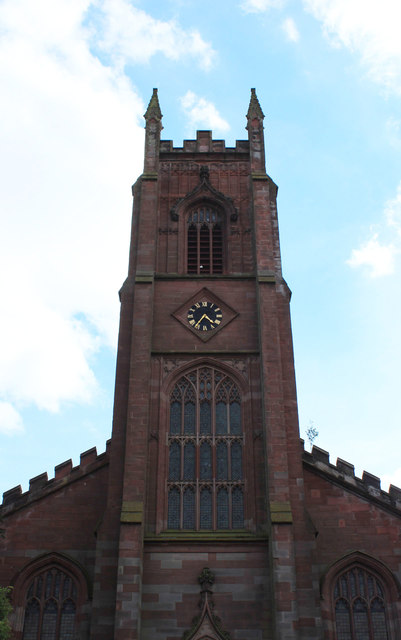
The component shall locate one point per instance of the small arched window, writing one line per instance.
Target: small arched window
(50, 606)
(204, 241)
(205, 470)
(359, 606)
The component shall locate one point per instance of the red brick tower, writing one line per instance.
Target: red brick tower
(205, 464)
(204, 519)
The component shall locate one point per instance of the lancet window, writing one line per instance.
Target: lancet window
(205, 241)
(206, 441)
(50, 607)
(359, 605)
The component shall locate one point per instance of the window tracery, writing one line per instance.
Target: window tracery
(359, 605)
(205, 472)
(50, 607)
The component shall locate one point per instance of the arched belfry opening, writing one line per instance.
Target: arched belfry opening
(205, 240)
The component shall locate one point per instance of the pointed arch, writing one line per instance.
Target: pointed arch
(360, 599)
(205, 480)
(48, 597)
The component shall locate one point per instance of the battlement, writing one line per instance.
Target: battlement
(64, 473)
(204, 143)
(343, 473)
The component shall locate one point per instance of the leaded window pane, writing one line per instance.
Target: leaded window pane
(237, 508)
(205, 419)
(174, 462)
(39, 585)
(360, 620)
(378, 620)
(236, 461)
(174, 509)
(205, 461)
(49, 621)
(31, 622)
(235, 418)
(352, 583)
(189, 418)
(67, 621)
(57, 582)
(222, 509)
(175, 418)
(206, 509)
(189, 461)
(343, 622)
(66, 587)
(221, 418)
(222, 461)
(189, 509)
(48, 588)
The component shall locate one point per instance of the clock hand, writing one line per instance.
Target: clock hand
(200, 320)
(207, 318)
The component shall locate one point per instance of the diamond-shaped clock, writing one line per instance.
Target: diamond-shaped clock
(204, 314)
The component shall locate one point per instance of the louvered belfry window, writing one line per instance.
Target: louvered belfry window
(205, 471)
(359, 605)
(50, 607)
(205, 241)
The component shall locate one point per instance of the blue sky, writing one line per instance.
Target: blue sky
(76, 77)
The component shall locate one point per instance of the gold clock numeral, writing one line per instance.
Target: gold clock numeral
(204, 304)
(192, 322)
(204, 328)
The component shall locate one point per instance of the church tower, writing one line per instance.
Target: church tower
(204, 519)
(205, 463)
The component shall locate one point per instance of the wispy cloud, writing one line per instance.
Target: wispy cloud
(202, 113)
(10, 419)
(65, 164)
(379, 252)
(370, 29)
(130, 35)
(260, 6)
(290, 29)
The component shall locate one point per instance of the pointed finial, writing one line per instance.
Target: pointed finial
(254, 110)
(153, 110)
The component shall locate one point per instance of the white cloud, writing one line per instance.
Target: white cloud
(68, 129)
(368, 28)
(394, 479)
(290, 30)
(129, 35)
(202, 113)
(10, 419)
(260, 6)
(379, 255)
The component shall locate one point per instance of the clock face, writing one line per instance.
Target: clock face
(204, 316)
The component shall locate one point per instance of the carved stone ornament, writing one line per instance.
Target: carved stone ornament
(205, 190)
(206, 625)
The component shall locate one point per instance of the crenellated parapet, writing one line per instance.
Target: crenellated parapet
(343, 473)
(204, 143)
(64, 473)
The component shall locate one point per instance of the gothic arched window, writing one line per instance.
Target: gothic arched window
(205, 476)
(50, 606)
(359, 606)
(205, 241)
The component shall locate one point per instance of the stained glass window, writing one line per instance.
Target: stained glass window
(222, 509)
(205, 477)
(50, 613)
(359, 606)
(174, 509)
